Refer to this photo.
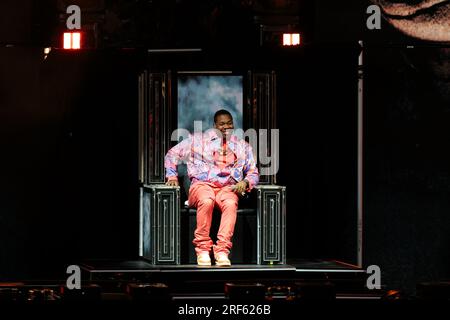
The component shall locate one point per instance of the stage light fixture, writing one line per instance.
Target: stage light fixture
(88, 292)
(76, 40)
(245, 291)
(291, 39)
(72, 40)
(316, 290)
(148, 292)
(435, 290)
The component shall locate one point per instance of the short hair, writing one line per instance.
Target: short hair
(222, 112)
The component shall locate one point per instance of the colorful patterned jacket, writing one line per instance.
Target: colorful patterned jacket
(208, 159)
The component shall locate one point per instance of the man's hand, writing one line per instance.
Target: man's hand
(172, 183)
(240, 187)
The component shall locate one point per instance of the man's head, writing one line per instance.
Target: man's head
(223, 121)
(423, 19)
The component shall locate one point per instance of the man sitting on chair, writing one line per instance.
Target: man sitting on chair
(220, 166)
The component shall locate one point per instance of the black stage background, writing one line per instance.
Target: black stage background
(73, 168)
(68, 186)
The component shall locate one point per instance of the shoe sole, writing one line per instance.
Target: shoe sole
(203, 264)
(223, 264)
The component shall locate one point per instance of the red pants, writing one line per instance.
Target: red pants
(205, 196)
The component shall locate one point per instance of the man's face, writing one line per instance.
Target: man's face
(224, 123)
(422, 19)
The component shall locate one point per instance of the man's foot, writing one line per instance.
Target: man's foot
(222, 260)
(203, 259)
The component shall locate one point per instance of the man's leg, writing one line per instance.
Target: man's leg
(227, 201)
(201, 196)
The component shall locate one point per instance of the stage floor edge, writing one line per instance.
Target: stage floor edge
(192, 281)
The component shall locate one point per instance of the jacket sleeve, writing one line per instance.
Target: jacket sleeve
(251, 173)
(174, 156)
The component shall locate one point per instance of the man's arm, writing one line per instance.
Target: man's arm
(172, 159)
(251, 173)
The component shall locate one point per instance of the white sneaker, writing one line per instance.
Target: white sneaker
(203, 259)
(222, 260)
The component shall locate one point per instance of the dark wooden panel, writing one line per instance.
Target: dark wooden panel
(271, 224)
(261, 116)
(155, 119)
(160, 224)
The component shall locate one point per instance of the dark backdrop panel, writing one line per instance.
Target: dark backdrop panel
(407, 175)
(20, 155)
(71, 169)
(317, 94)
(69, 159)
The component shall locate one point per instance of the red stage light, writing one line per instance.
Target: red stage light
(291, 39)
(72, 40)
(76, 40)
(67, 40)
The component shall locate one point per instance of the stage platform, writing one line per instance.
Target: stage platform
(195, 282)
